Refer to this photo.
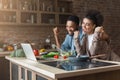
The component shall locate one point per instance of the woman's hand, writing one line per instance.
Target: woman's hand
(99, 29)
(56, 31)
(103, 35)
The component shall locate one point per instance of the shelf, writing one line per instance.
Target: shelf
(48, 18)
(7, 17)
(10, 10)
(46, 24)
(29, 17)
(7, 23)
(28, 5)
(45, 12)
(34, 12)
(64, 6)
(64, 13)
(47, 5)
(28, 11)
(8, 4)
(30, 24)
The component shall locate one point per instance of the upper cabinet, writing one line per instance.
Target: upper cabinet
(8, 10)
(8, 4)
(34, 12)
(47, 5)
(64, 6)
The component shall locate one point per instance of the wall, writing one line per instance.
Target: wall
(35, 34)
(109, 8)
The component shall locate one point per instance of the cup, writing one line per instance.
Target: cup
(63, 9)
(51, 21)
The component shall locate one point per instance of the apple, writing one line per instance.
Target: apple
(36, 52)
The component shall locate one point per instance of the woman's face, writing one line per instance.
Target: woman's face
(71, 27)
(88, 26)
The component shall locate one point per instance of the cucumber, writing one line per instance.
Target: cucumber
(50, 54)
(53, 53)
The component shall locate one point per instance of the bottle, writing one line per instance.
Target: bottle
(32, 19)
(43, 6)
(1, 4)
(11, 4)
(5, 46)
(34, 6)
(14, 18)
(48, 43)
(15, 46)
(5, 4)
(25, 6)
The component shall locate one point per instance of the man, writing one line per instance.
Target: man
(72, 25)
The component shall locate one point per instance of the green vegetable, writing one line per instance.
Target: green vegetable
(18, 53)
(50, 54)
(53, 53)
(67, 54)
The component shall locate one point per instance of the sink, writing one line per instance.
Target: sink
(69, 66)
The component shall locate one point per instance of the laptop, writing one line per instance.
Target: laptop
(27, 48)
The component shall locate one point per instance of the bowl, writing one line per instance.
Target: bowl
(1, 50)
(80, 58)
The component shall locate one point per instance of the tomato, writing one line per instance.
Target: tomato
(56, 56)
(36, 52)
(64, 57)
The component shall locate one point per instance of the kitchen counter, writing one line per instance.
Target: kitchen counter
(56, 73)
(4, 53)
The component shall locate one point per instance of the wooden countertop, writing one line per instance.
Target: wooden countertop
(55, 73)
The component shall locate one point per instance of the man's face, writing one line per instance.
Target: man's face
(71, 27)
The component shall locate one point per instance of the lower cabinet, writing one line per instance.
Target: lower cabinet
(4, 69)
(14, 72)
(29, 75)
(40, 78)
(20, 73)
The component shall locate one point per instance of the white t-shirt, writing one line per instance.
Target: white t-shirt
(90, 39)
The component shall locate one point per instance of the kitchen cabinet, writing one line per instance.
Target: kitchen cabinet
(4, 69)
(4, 66)
(34, 12)
(8, 11)
(18, 72)
(25, 74)
(22, 73)
(29, 75)
(40, 78)
(14, 72)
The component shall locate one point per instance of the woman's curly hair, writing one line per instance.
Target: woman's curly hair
(95, 16)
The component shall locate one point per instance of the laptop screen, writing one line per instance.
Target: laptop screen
(28, 51)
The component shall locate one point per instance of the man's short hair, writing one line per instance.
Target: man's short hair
(74, 19)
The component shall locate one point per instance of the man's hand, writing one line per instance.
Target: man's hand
(56, 31)
(76, 34)
(56, 35)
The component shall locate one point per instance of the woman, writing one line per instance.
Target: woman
(95, 41)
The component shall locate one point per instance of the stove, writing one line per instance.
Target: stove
(70, 66)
